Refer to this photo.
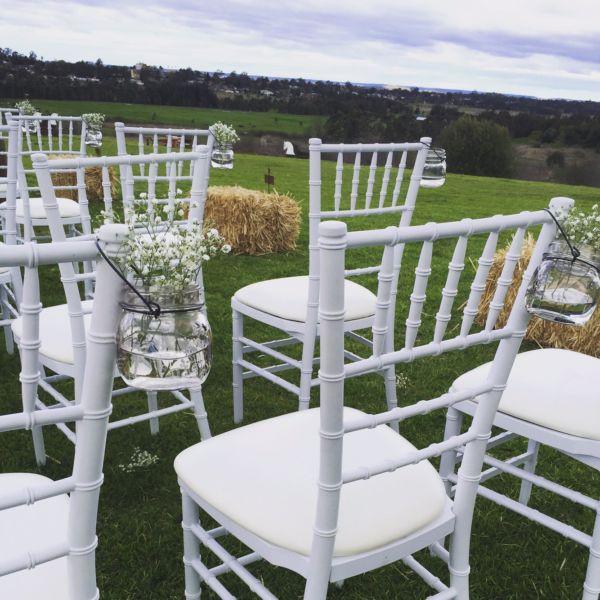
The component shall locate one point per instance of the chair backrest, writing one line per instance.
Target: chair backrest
(53, 134)
(4, 112)
(10, 135)
(91, 415)
(334, 240)
(156, 140)
(70, 277)
(381, 193)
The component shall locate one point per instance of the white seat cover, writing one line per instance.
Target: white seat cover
(66, 207)
(55, 331)
(264, 477)
(27, 529)
(287, 298)
(557, 389)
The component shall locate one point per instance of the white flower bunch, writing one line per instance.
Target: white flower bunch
(158, 252)
(94, 120)
(224, 134)
(140, 459)
(25, 107)
(583, 227)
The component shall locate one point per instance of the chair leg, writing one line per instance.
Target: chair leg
(391, 394)
(591, 586)
(391, 389)
(29, 396)
(308, 353)
(191, 547)
(8, 336)
(454, 420)
(200, 413)
(529, 466)
(306, 372)
(238, 370)
(152, 406)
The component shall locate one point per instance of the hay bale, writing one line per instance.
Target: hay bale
(253, 222)
(93, 182)
(584, 339)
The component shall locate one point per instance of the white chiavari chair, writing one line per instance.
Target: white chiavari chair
(66, 356)
(361, 496)
(10, 278)
(53, 135)
(4, 112)
(48, 541)
(551, 399)
(289, 304)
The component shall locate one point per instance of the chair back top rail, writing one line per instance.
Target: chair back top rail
(375, 147)
(161, 130)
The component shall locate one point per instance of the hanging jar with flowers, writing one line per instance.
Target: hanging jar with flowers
(93, 129)
(26, 109)
(222, 153)
(164, 340)
(566, 286)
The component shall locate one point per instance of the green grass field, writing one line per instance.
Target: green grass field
(181, 116)
(139, 556)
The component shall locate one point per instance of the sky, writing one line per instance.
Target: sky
(544, 48)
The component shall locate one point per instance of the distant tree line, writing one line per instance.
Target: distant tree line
(354, 112)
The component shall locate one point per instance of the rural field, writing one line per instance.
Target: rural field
(139, 555)
(253, 123)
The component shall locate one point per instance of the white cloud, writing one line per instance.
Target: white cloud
(541, 47)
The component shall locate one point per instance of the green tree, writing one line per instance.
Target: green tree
(477, 147)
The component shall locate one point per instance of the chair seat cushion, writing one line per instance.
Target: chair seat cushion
(27, 529)
(287, 298)
(264, 478)
(55, 331)
(66, 207)
(557, 389)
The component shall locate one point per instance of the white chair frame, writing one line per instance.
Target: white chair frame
(174, 137)
(523, 466)
(321, 567)
(307, 332)
(91, 414)
(4, 112)
(71, 278)
(61, 140)
(10, 281)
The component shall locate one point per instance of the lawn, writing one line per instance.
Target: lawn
(139, 556)
(182, 116)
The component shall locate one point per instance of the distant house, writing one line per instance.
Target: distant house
(266, 92)
(136, 71)
(421, 118)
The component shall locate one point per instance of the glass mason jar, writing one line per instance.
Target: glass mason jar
(222, 156)
(564, 290)
(169, 352)
(434, 171)
(30, 125)
(93, 136)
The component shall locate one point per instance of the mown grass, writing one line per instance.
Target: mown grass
(183, 116)
(139, 556)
